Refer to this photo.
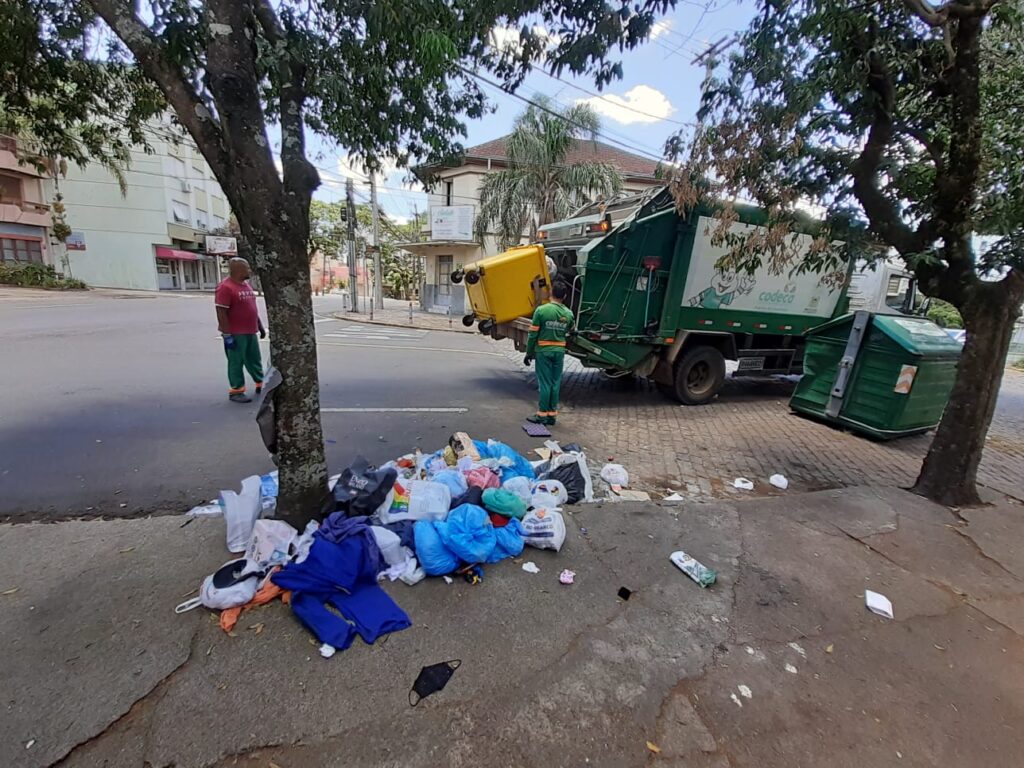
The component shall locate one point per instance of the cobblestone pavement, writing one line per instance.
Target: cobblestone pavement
(749, 431)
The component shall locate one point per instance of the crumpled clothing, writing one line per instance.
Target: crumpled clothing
(268, 592)
(336, 528)
(404, 530)
(343, 576)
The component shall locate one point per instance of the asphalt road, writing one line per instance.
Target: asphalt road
(115, 404)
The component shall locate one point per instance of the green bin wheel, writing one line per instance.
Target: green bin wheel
(698, 376)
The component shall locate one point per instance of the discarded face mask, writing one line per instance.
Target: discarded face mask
(432, 679)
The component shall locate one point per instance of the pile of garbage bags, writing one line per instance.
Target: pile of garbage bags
(469, 504)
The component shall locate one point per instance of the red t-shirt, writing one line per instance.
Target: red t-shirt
(239, 300)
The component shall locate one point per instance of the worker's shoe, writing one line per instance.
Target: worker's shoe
(537, 419)
(240, 397)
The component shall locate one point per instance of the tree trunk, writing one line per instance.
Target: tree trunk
(300, 445)
(949, 473)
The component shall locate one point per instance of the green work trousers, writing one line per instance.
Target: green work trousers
(244, 356)
(549, 379)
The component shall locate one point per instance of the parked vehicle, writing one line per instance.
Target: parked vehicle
(650, 300)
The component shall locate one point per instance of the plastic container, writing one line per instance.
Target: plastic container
(897, 380)
(509, 285)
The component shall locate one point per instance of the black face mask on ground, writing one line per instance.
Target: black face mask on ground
(432, 679)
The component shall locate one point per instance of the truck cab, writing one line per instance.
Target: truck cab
(882, 287)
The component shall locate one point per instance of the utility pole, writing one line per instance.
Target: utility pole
(350, 211)
(378, 276)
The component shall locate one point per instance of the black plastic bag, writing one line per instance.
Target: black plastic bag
(362, 488)
(571, 477)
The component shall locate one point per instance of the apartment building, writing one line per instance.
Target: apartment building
(152, 236)
(24, 211)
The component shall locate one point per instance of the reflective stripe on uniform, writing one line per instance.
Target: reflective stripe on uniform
(550, 343)
(534, 328)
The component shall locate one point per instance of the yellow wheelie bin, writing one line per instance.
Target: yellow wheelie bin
(504, 287)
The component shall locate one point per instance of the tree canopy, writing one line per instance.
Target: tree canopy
(540, 186)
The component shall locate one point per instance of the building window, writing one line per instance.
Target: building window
(201, 220)
(445, 264)
(22, 251)
(178, 167)
(10, 190)
(218, 223)
(448, 194)
(181, 212)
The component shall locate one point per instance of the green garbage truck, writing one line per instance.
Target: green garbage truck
(650, 300)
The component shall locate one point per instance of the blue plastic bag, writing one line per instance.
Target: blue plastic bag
(454, 480)
(468, 533)
(509, 541)
(512, 464)
(434, 556)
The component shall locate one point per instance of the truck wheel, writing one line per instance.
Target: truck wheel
(457, 276)
(468, 320)
(698, 375)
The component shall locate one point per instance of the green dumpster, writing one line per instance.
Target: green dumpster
(883, 375)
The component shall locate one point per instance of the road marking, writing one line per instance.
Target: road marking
(326, 320)
(394, 410)
(411, 349)
(44, 306)
(373, 334)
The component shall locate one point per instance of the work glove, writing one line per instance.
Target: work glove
(527, 361)
(263, 333)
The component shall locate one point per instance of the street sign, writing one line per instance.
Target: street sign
(75, 241)
(451, 222)
(221, 246)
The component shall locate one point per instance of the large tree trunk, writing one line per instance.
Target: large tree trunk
(949, 473)
(300, 446)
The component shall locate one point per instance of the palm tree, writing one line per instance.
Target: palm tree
(539, 187)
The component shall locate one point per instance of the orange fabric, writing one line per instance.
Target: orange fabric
(550, 343)
(534, 328)
(237, 391)
(269, 591)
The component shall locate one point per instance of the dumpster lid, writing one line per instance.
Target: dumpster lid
(918, 335)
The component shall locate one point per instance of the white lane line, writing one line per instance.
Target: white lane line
(326, 320)
(410, 349)
(394, 410)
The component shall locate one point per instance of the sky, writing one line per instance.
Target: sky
(657, 96)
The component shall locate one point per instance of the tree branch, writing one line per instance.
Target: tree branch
(933, 146)
(883, 214)
(937, 16)
(300, 177)
(153, 58)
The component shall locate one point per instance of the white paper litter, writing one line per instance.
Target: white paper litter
(877, 603)
(448, 579)
(674, 497)
(327, 650)
(531, 567)
(779, 481)
(743, 484)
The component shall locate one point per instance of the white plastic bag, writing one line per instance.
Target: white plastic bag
(553, 487)
(389, 544)
(543, 529)
(416, 500)
(305, 541)
(615, 474)
(520, 486)
(240, 513)
(233, 584)
(542, 500)
(271, 542)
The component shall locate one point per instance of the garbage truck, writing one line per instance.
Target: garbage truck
(650, 299)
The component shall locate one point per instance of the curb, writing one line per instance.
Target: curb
(355, 316)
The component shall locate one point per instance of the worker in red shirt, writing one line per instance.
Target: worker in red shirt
(238, 320)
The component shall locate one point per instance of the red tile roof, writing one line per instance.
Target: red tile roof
(584, 151)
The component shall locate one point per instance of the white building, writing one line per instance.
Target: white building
(455, 199)
(152, 237)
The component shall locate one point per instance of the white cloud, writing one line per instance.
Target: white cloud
(507, 39)
(640, 104)
(659, 28)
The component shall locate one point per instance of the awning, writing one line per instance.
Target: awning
(166, 252)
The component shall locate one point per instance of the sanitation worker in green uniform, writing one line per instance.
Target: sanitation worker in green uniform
(552, 323)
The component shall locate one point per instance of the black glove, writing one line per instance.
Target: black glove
(263, 332)
(527, 360)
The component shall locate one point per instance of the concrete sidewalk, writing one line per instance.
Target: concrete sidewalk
(778, 664)
(403, 315)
